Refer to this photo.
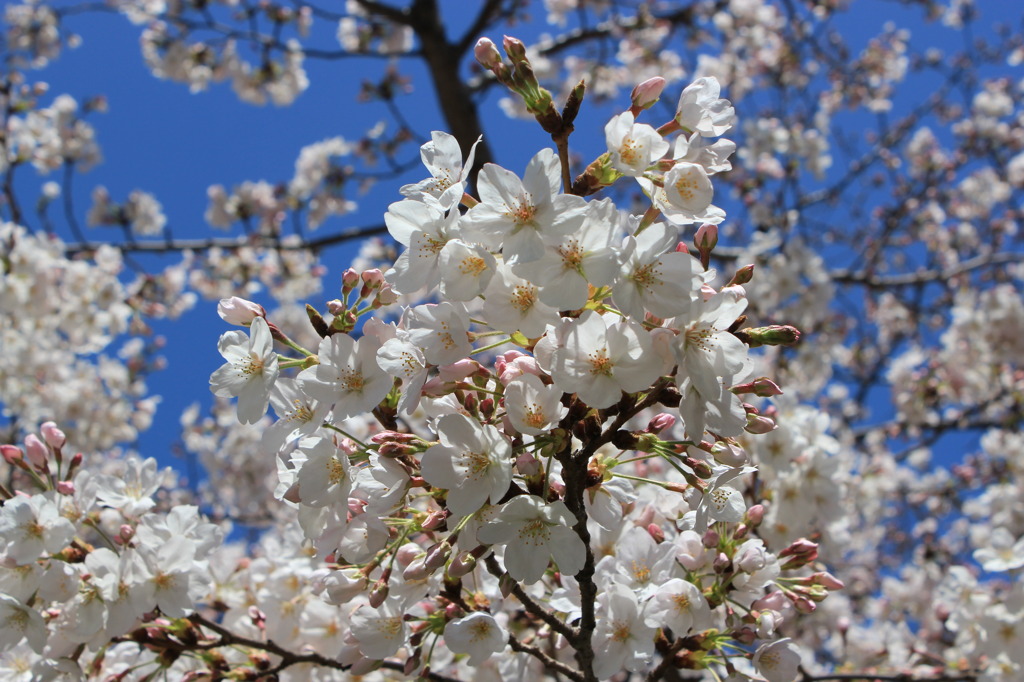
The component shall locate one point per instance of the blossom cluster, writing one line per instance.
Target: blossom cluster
(473, 468)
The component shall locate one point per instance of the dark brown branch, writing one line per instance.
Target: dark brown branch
(232, 243)
(924, 276)
(531, 606)
(288, 658)
(453, 96)
(549, 663)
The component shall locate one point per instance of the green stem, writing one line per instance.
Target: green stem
(493, 345)
(346, 434)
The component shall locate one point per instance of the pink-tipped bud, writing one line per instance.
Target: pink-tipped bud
(647, 93)
(372, 280)
(65, 487)
(743, 275)
(656, 532)
(462, 564)
(754, 515)
(775, 601)
(239, 311)
(804, 605)
(763, 387)
(407, 553)
(437, 556)
(336, 306)
(349, 280)
(661, 422)
(459, 370)
(379, 593)
(729, 453)
(36, 451)
(706, 238)
(53, 436)
(710, 539)
(416, 570)
(759, 424)
(125, 533)
(800, 553)
(12, 454)
(828, 581)
(515, 49)
(486, 52)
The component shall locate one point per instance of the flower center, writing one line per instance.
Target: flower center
(335, 471)
(523, 298)
(352, 381)
(600, 363)
(251, 365)
(524, 212)
(472, 265)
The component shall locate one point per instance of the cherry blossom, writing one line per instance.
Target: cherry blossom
(534, 533)
(250, 371)
(472, 462)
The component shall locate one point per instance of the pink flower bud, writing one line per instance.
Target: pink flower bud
(349, 280)
(661, 422)
(239, 311)
(762, 387)
(36, 451)
(647, 93)
(656, 532)
(379, 593)
(776, 601)
(755, 515)
(457, 371)
(462, 564)
(515, 49)
(759, 425)
(65, 487)
(416, 570)
(437, 556)
(743, 275)
(710, 539)
(12, 454)
(486, 52)
(407, 553)
(729, 453)
(372, 280)
(336, 306)
(706, 238)
(828, 581)
(53, 436)
(804, 605)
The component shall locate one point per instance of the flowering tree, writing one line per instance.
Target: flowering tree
(729, 392)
